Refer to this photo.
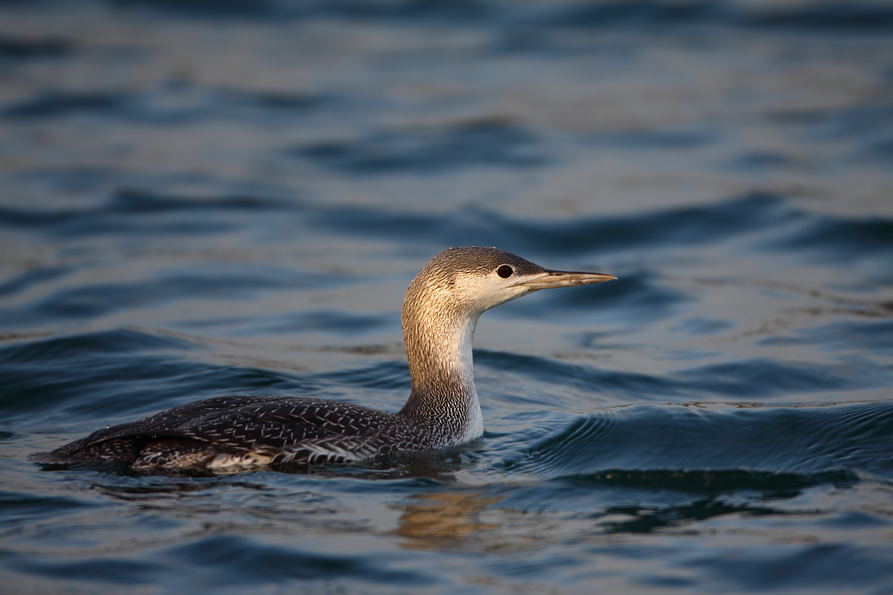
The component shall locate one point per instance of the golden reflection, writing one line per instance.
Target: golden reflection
(430, 521)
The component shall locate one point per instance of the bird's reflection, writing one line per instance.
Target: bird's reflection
(435, 520)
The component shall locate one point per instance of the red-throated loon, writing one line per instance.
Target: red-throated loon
(440, 311)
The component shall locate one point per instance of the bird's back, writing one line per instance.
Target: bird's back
(239, 431)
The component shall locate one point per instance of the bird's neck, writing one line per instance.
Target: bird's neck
(438, 348)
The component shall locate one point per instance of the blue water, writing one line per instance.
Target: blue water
(201, 198)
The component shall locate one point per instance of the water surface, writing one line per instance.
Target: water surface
(204, 198)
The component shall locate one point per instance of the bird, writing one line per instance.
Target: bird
(230, 433)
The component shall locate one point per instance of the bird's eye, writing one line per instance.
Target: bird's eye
(505, 271)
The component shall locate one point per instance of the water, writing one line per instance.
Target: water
(202, 198)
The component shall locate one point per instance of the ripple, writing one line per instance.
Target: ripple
(474, 144)
(876, 336)
(132, 201)
(811, 567)
(821, 17)
(222, 281)
(29, 49)
(103, 571)
(713, 481)
(853, 438)
(250, 561)
(754, 378)
(842, 240)
(131, 211)
(385, 376)
(585, 236)
(56, 104)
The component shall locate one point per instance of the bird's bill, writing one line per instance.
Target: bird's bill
(551, 279)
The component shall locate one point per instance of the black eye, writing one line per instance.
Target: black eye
(504, 271)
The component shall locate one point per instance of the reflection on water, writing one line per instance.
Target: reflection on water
(438, 520)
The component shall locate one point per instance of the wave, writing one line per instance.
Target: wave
(460, 145)
(843, 440)
(816, 15)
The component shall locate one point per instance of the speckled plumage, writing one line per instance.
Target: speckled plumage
(440, 311)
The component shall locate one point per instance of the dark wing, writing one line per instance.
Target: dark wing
(282, 422)
(232, 424)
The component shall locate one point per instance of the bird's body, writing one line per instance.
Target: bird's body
(243, 431)
(440, 311)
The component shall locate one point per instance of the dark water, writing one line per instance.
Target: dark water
(208, 197)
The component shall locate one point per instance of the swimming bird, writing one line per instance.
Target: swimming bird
(440, 310)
